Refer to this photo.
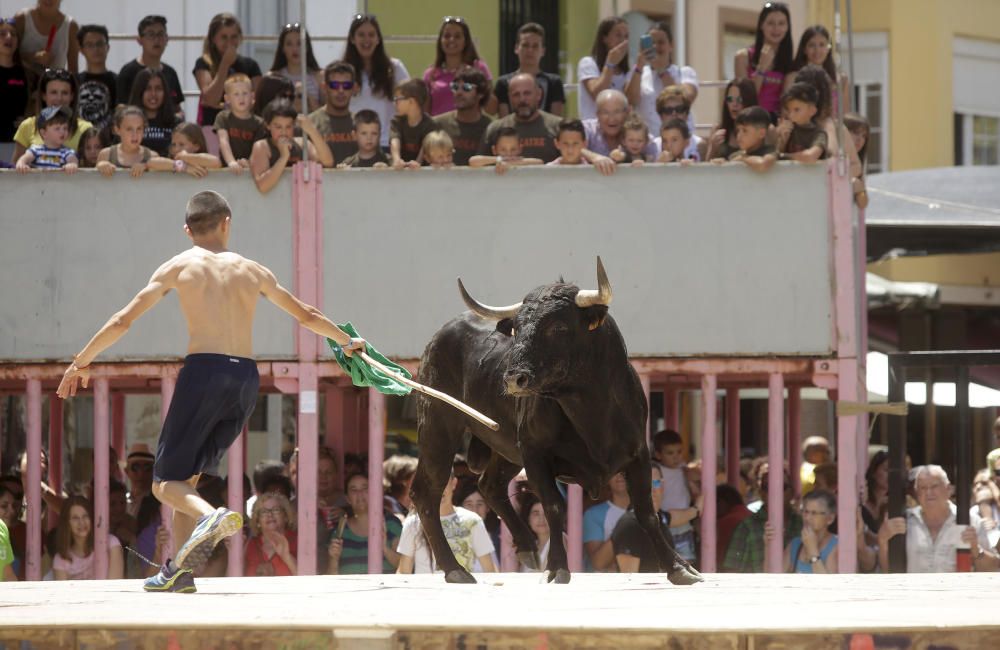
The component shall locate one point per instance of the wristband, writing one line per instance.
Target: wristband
(179, 166)
(814, 559)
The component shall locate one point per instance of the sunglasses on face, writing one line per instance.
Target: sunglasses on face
(464, 85)
(363, 17)
(674, 110)
(59, 74)
(292, 26)
(458, 20)
(340, 85)
(734, 99)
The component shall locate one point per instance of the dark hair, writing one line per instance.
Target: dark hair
(64, 533)
(754, 116)
(815, 76)
(572, 126)
(51, 115)
(366, 116)
(828, 471)
(88, 29)
(65, 76)
(413, 89)
(822, 495)
(165, 115)
(728, 496)
(879, 457)
(783, 58)
(857, 122)
(803, 92)
(599, 50)
(278, 483)
(398, 470)
(800, 55)
(281, 61)
(150, 20)
(530, 28)
(476, 77)
(506, 132)
(272, 87)
(382, 76)
(525, 502)
(279, 108)
(209, 53)
(678, 124)
(748, 93)
(469, 54)
(194, 133)
(666, 437)
(339, 67)
(205, 211)
(264, 471)
(662, 27)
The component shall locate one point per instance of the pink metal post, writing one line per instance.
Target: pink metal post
(644, 380)
(776, 479)
(671, 414)
(376, 451)
(795, 438)
(709, 461)
(102, 424)
(574, 528)
(118, 424)
(308, 443)
(237, 500)
(167, 383)
(33, 568)
(55, 451)
(733, 436)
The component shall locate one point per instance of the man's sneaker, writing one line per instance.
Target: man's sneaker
(209, 531)
(176, 580)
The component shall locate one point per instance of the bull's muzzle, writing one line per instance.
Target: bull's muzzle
(517, 381)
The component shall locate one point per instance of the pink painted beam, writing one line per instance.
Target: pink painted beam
(236, 500)
(118, 425)
(709, 461)
(671, 414)
(574, 528)
(776, 479)
(733, 437)
(849, 439)
(33, 491)
(308, 443)
(167, 382)
(102, 445)
(55, 452)
(376, 453)
(795, 438)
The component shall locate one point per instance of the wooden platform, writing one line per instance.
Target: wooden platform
(849, 612)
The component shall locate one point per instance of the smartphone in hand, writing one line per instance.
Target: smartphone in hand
(645, 42)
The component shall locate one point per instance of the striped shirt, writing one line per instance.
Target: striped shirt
(354, 557)
(48, 158)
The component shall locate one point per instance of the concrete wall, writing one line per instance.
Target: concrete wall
(75, 249)
(703, 260)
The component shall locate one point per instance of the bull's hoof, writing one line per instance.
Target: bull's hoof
(684, 576)
(559, 577)
(530, 560)
(459, 577)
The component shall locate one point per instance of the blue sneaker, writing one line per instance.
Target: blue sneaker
(209, 531)
(174, 580)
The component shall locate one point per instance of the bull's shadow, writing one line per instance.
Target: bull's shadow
(553, 371)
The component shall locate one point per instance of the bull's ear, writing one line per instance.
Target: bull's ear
(594, 316)
(506, 326)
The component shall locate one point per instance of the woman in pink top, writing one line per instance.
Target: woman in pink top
(770, 58)
(455, 50)
(74, 559)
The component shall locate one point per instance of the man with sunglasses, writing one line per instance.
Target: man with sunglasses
(139, 470)
(467, 124)
(333, 120)
(153, 40)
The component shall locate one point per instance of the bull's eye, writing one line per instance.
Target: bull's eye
(556, 329)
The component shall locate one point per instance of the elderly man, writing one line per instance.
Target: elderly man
(605, 132)
(932, 532)
(139, 470)
(467, 124)
(538, 129)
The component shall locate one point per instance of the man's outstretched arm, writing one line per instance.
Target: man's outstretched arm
(308, 316)
(161, 282)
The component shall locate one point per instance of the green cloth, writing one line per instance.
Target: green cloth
(364, 375)
(6, 552)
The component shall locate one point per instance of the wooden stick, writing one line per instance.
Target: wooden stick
(857, 408)
(427, 390)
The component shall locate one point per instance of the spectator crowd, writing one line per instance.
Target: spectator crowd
(364, 109)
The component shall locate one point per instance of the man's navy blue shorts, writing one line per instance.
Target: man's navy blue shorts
(213, 399)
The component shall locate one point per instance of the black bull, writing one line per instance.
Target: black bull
(553, 371)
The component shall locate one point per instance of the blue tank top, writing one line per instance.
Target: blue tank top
(805, 567)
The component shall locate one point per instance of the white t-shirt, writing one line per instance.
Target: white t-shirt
(466, 535)
(650, 88)
(925, 554)
(690, 152)
(587, 69)
(382, 105)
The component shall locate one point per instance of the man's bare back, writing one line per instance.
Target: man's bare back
(218, 293)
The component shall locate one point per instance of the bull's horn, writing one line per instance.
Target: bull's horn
(498, 313)
(601, 296)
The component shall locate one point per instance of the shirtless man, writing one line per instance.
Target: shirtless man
(217, 386)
